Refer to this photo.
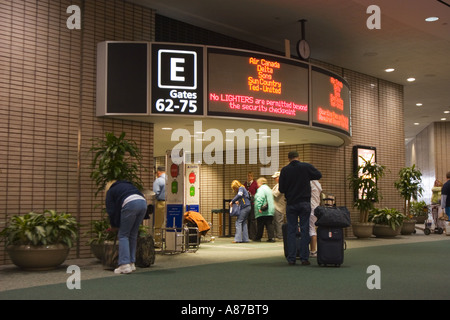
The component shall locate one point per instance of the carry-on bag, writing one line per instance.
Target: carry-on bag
(332, 216)
(330, 246)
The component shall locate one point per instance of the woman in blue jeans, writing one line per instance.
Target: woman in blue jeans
(126, 208)
(243, 199)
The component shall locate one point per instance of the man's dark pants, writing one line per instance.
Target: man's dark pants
(302, 211)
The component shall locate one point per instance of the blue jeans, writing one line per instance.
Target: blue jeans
(300, 210)
(241, 234)
(131, 217)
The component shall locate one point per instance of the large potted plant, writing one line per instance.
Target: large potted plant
(388, 222)
(40, 241)
(100, 233)
(419, 211)
(115, 158)
(364, 183)
(409, 186)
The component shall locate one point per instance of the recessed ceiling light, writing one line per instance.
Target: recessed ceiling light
(443, 119)
(418, 104)
(166, 128)
(416, 123)
(432, 19)
(446, 111)
(389, 69)
(411, 79)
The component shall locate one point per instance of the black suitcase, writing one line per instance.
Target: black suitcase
(297, 236)
(330, 246)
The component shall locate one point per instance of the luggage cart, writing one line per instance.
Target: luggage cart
(433, 224)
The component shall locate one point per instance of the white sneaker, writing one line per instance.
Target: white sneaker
(125, 268)
(133, 267)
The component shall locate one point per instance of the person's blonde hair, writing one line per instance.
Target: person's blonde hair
(108, 185)
(235, 184)
(261, 181)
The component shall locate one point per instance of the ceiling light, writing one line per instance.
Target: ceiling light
(416, 123)
(411, 79)
(443, 119)
(166, 128)
(431, 19)
(389, 69)
(418, 104)
(446, 111)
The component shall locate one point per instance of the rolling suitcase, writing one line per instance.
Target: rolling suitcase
(297, 236)
(330, 246)
(330, 233)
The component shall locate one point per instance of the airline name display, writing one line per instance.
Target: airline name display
(212, 81)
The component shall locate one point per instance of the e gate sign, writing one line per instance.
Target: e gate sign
(178, 72)
(152, 79)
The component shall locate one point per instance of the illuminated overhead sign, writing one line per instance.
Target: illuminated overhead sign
(246, 84)
(330, 100)
(141, 78)
(178, 71)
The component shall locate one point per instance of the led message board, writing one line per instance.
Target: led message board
(247, 84)
(330, 100)
(177, 79)
(143, 78)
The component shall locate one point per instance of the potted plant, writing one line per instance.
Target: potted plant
(408, 184)
(364, 183)
(419, 211)
(40, 241)
(100, 233)
(115, 158)
(388, 222)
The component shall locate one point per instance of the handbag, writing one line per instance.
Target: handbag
(335, 217)
(265, 206)
(235, 210)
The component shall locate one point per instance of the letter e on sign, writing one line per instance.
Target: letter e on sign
(177, 69)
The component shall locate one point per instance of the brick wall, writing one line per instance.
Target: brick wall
(47, 105)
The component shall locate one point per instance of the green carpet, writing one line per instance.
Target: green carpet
(407, 272)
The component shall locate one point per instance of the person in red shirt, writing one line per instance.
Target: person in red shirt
(251, 187)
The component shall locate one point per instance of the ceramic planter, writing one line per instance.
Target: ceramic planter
(37, 258)
(420, 219)
(409, 226)
(362, 230)
(385, 231)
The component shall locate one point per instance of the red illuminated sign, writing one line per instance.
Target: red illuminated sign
(330, 101)
(246, 84)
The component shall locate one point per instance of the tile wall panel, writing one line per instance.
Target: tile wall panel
(47, 105)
